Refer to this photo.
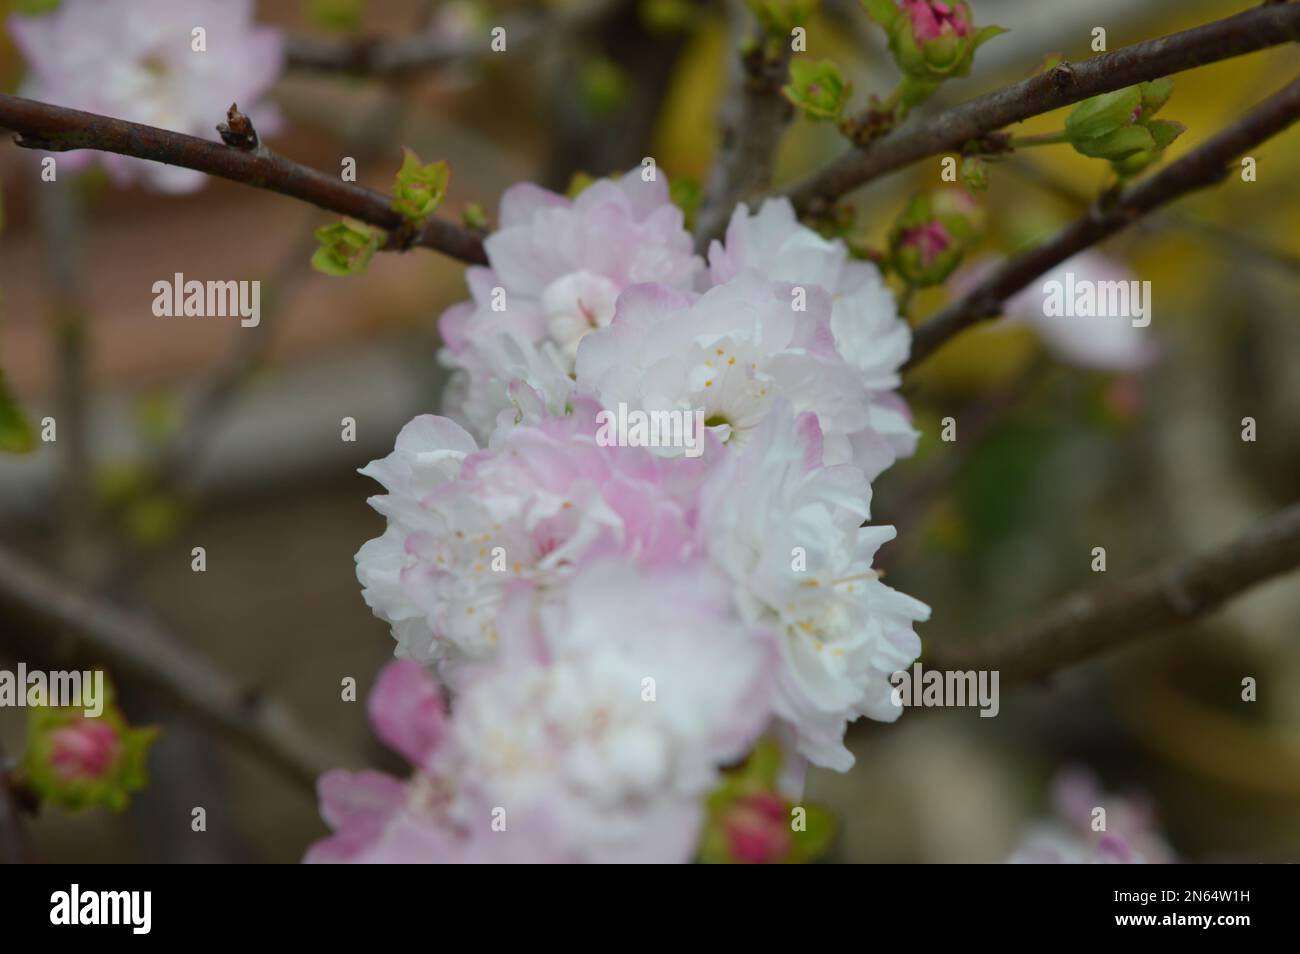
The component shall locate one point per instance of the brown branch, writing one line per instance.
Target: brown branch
(1088, 624)
(137, 647)
(759, 115)
(1204, 166)
(1256, 29)
(54, 128)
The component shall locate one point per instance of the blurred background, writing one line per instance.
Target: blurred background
(1051, 459)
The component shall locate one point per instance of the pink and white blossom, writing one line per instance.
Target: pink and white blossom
(614, 705)
(788, 533)
(378, 818)
(464, 524)
(869, 333)
(556, 269)
(594, 734)
(733, 352)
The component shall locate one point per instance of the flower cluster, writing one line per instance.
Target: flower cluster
(158, 62)
(616, 621)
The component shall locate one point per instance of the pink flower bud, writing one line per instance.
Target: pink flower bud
(932, 18)
(85, 749)
(758, 829)
(930, 241)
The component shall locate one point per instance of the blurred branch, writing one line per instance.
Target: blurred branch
(1087, 624)
(178, 459)
(395, 56)
(137, 647)
(59, 215)
(1204, 166)
(754, 116)
(425, 49)
(1256, 29)
(1249, 249)
(606, 140)
(54, 128)
(15, 849)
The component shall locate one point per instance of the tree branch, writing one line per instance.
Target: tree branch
(1088, 624)
(1204, 166)
(54, 128)
(136, 646)
(1255, 29)
(757, 115)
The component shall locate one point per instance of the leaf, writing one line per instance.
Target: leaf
(1102, 114)
(346, 248)
(1165, 131)
(812, 843)
(884, 12)
(579, 182)
(1118, 144)
(975, 174)
(474, 217)
(419, 189)
(686, 194)
(344, 15)
(763, 767)
(16, 434)
(818, 88)
(989, 32)
(1048, 63)
(1154, 95)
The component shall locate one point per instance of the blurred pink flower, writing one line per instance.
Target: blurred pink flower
(137, 61)
(1069, 837)
(1110, 344)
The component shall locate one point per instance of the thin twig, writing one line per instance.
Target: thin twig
(1256, 29)
(1088, 624)
(137, 647)
(1204, 166)
(54, 128)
